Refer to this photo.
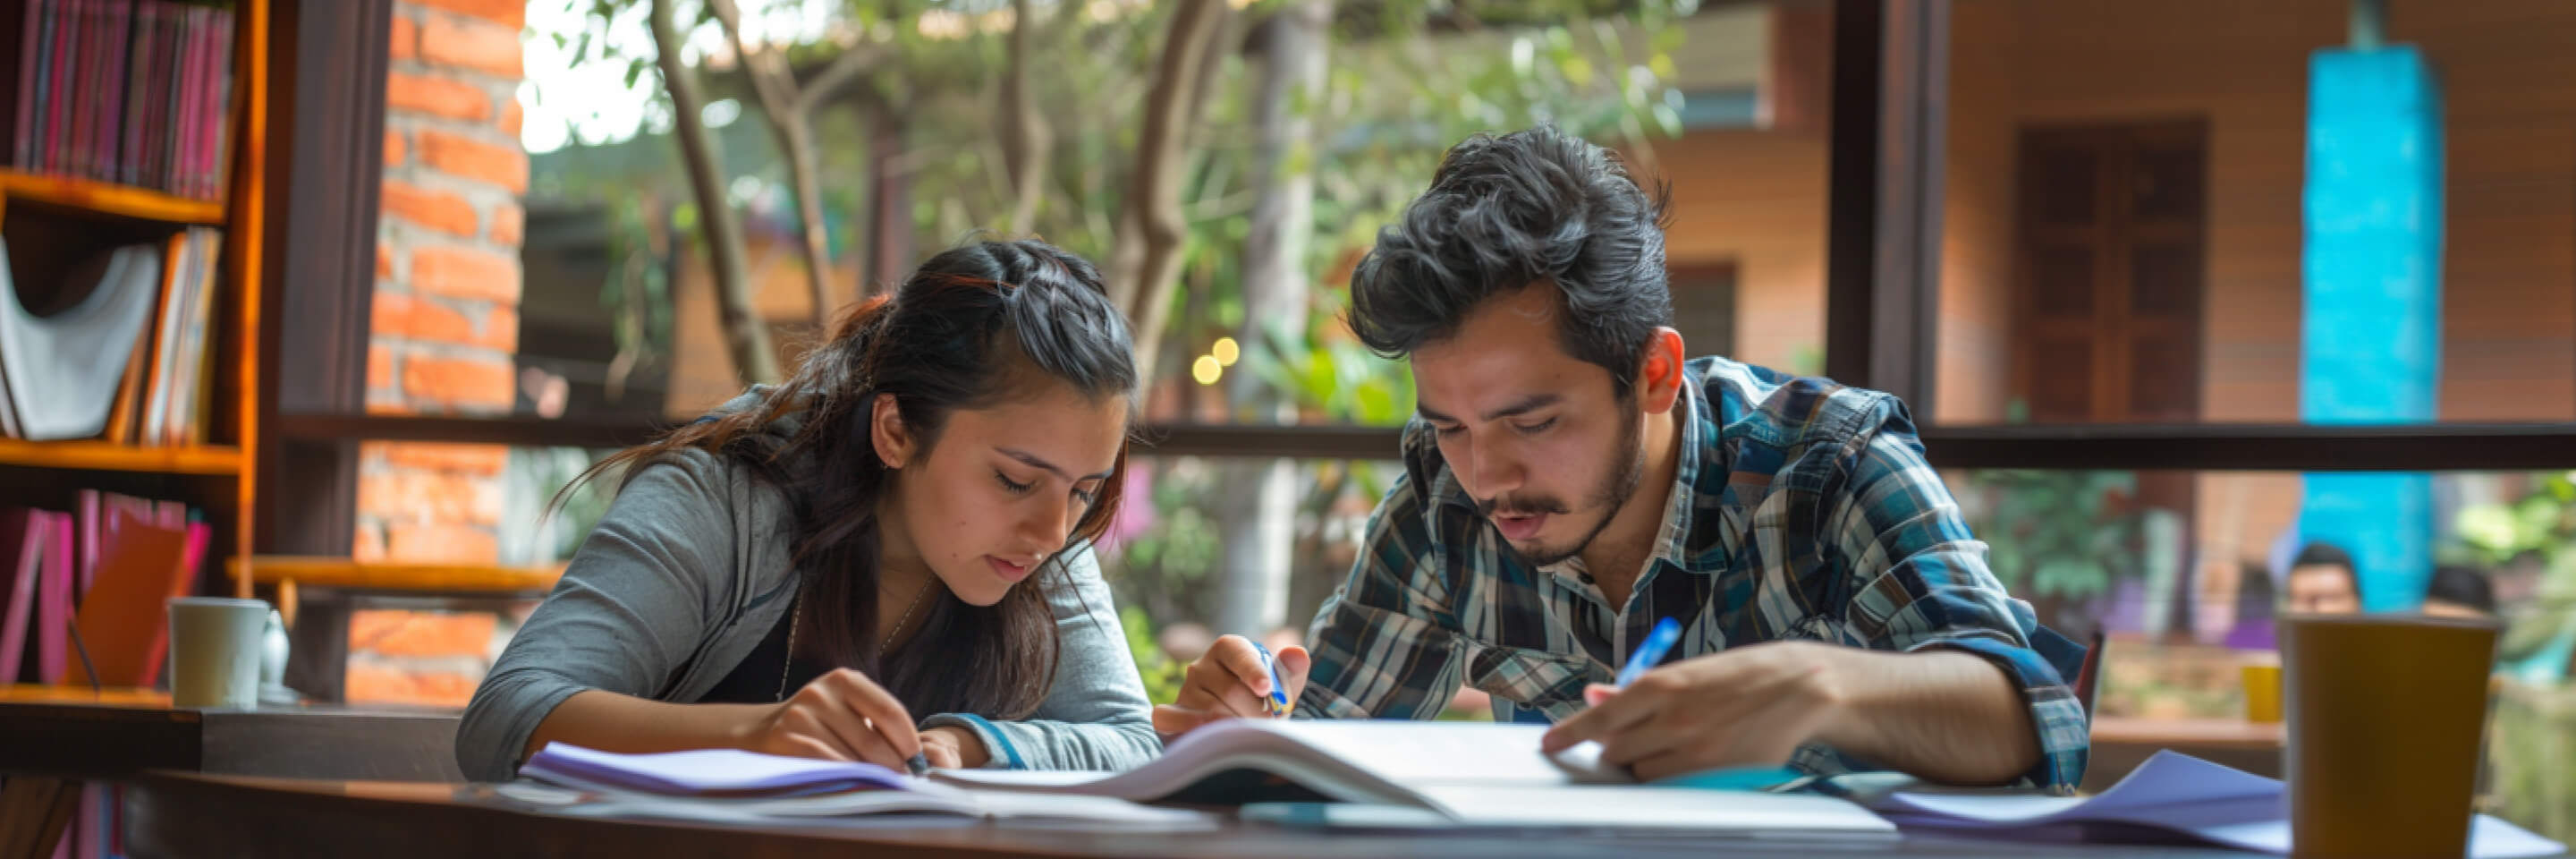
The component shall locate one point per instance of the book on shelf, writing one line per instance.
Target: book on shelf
(105, 569)
(103, 572)
(130, 362)
(131, 92)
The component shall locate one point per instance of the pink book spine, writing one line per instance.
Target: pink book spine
(184, 96)
(197, 96)
(68, 158)
(57, 100)
(156, 110)
(221, 96)
(129, 144)
(85, 108)
(204, 108)
(25, 569)
(111, 98)
(21, 148)
(89, 503)
(218, 53)
(170, 514)
(54, 611)
(85, 121)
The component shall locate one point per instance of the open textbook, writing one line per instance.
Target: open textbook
(1475, 774)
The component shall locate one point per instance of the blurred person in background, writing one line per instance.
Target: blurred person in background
(2323, 580)
(2459, 592)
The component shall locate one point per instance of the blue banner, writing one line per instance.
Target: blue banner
(2371, 339)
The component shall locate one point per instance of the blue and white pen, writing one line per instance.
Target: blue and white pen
(1277, 701)
(1667, 632)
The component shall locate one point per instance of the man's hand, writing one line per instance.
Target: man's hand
(951, 747)
(1744, 706)
(1228, 682)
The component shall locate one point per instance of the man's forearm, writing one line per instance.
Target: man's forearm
(1943, 715)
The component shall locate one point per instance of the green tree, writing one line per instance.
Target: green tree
(1218, 161)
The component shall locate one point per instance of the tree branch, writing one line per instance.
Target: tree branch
(783, 106)
(1145, 260)
(1286, 92)
(745, 337)
(1025, 135)
(846, 69)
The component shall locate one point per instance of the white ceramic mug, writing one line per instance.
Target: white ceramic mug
(215, 651)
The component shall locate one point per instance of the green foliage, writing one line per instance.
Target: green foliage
(2063, 534)
(1404, 80)
(1167, 570)
(2539, 527)
(645, 330)
(1162, 673)
(2531, 752)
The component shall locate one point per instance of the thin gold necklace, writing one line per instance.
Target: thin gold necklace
(796, 618)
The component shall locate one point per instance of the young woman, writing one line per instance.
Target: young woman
(902, 529)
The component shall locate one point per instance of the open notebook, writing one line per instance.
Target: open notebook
(730, 786)
(1475, 774)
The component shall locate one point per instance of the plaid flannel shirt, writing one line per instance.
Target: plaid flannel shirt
(1800, 509)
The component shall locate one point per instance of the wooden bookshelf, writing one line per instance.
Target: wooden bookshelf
(242, 318)
(106, 456)
(104, 198)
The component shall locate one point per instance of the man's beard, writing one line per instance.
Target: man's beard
(1610, 496)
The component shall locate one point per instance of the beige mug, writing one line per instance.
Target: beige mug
(215, 651)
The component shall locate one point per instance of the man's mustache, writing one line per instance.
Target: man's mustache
(1520, 507)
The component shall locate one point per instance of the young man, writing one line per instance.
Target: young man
(2323, 580)
(1572, 479)
(2459, 592)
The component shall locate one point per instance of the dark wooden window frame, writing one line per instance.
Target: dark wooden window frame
(1885, 156)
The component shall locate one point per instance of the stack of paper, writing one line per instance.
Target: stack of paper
(2171, 792)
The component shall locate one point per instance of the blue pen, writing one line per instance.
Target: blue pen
(1667, 632)
(1660, 641)
(1277, 702)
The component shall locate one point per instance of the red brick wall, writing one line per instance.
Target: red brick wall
(446, 324)
(447, 278)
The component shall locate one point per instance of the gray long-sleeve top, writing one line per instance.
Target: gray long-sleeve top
(689, 571)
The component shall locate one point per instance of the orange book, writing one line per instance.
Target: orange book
(129, 392)
(123, 621)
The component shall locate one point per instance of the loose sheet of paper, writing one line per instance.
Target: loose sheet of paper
(2177, 793)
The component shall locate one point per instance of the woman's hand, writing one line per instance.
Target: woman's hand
(842, 716)
(952, 748)
(1229, 682)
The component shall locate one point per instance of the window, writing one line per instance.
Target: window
(2160, 214)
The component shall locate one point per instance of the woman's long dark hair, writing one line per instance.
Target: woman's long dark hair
(972, 326)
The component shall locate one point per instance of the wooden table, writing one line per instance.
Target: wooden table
(59, 736)
(2120, 745)
(180, 815)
